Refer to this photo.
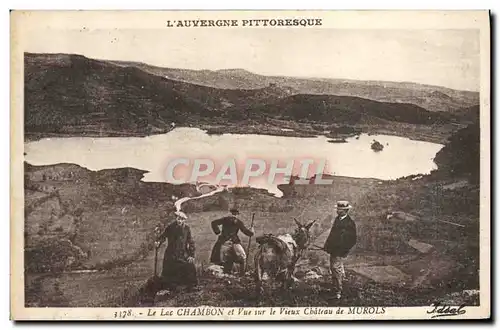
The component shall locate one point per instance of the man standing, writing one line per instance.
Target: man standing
(231, 225)
(178, 260)
(340, 241)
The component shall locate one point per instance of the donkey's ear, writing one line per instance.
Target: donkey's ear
(297, 222)
(309, 225)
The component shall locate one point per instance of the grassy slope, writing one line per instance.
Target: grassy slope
(121, 242)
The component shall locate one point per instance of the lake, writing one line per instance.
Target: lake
(400, 156)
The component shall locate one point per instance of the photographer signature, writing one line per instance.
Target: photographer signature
(441, 310)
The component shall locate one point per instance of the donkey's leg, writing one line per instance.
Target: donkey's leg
(258, 274)
(290, 271)
(242, 264)
(285, 279)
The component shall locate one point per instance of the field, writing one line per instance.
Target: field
(90, 239)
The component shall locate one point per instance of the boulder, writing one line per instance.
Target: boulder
(217, 271)
(401, 217)
(312, 275)
(456, 185)
(162, 294)
(321, 270)
(420, 246)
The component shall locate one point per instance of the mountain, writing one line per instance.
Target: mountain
(71, 90)
(432, 98)
(72, 94)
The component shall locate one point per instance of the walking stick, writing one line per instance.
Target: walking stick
(156, 260)
(248, 248)
(157, 232)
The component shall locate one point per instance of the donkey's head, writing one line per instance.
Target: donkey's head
(301, 235)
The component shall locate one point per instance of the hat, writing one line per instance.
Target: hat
(343, 205)
(234, 210)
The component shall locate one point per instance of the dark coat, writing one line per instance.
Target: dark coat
(176, 269)
(180, 242)
(342, 237)
(230, 228)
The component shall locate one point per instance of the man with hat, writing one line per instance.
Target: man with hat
(340, 241)
(178, 260)
(231, 225)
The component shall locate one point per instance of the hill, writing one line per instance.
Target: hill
(432, 98)
(71, 91)
(460, 157)
(74, 95)
(347, 109)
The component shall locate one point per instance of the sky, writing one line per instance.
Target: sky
(448, 58)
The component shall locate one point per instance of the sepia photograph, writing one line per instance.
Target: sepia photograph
(265, 165)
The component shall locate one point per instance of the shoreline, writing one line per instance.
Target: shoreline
(425, 133)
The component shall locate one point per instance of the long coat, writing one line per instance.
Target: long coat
(342, 237)
(231, 226)
(176, 269)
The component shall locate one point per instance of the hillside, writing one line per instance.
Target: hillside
(347, 109)
(94, 230)
(460, 157)
(75, 95)
(468, 114)
(432, 98)
(71, 93)
(75, 92)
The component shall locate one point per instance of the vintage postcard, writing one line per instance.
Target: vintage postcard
(250, 165)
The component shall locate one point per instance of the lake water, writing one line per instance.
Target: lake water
(400, 157)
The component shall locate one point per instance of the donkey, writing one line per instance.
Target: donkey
(277, 255)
